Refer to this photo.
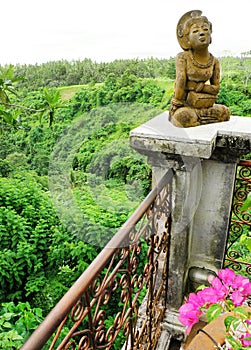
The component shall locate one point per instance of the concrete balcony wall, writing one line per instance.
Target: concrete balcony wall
(204, 160)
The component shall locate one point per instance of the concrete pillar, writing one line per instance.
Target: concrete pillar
(204, 160)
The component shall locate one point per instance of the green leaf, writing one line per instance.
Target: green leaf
(236, 323)
(247, 203)
(228, 321)
(213, 312)
(201, 287)
(7, 325)
(241, 311)
(13, 335)
(229, 304)
(234, 343)
(248, 243)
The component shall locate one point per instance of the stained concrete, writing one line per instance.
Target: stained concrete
(204, 161)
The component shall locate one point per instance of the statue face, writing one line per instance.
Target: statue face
(199, 35)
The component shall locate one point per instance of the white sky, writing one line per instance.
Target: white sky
(36, 31)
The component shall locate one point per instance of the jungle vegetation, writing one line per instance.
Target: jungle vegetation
(75, 117)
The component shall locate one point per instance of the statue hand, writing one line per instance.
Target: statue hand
(194, 86)
(175, 104)
(199, 87)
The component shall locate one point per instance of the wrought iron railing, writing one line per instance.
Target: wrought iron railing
(121, 297)
(238, 256)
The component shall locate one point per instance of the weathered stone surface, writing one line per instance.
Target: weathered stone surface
(208, 235)
(159, 135)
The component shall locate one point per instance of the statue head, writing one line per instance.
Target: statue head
(184, 25)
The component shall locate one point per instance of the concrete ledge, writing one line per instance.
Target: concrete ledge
(160, 135)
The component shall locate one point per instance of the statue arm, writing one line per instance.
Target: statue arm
(180, 85)
(214, 86)
(181, 77)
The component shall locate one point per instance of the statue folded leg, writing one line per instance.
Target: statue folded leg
(187, 117)
(217, 113)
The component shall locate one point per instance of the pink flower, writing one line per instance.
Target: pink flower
(244, 341)
(228, 286)
(189, 315)
(210, 296)
(237, 298)
(220, 288)
(227, 276)
(211, 278)
(243, 284)
(196, 300)
(239, 287)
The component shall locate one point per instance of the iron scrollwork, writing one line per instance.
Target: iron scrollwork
(240, 225)
(133, 281)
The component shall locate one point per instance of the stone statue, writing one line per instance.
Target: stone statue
(197, 75)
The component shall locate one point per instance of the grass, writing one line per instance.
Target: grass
(166, 84)
(68, 92)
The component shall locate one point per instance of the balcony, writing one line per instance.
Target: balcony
(130, 271)
(153, 260)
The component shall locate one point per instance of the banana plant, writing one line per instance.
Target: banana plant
(8, 80)
(10, 112)
(53, 101)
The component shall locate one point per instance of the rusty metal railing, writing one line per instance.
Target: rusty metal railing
(120, 298)
(238, 256)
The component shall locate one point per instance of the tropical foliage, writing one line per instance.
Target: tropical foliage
(68, 177)
(17, 322)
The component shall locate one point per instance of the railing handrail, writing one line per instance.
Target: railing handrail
(244, 162)
(45, 330)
